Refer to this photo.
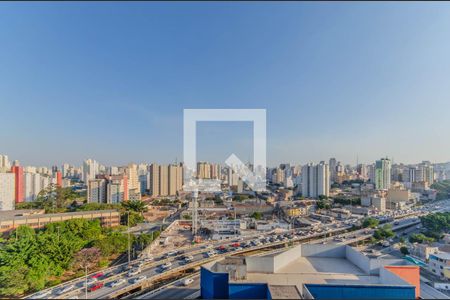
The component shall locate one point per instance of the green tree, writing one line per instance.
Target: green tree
(256, 215)
(384, 232)
(420, 238)
(437, 223)
(404, 250)
(370, 223)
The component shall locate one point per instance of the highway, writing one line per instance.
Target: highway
(152, 269)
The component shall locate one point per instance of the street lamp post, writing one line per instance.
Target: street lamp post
(85, 282)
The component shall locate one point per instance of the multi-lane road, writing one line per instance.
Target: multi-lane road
(198, 254)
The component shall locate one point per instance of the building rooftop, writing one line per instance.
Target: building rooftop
(284, 292)
(324, 266)
(442, 255)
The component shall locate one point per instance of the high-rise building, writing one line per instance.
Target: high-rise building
(90, 170)
(134, 186)
(163, 180)
(7, 191)
(32, 186)
(18, 173)
(425, 172)
(65, 169)
(108, 189)
(175, 182)
(154, 180)
(409, 174)
(203, 170)
(332, 165)
(58, 176)
(315, 180)
(4, 162)
(96, 190)
(383, 174)
(117, 189)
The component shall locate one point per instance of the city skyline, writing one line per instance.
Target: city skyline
(78, 83)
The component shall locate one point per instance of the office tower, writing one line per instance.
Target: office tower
(18, 177)
(7, 191)
(371, 173)
(332, 165)
(315, 180)
(143, 181)
(90, 170)
(397, 172)
(425, 172)
(383, 174)
(154, 180)
(96, 190)
(409, 174)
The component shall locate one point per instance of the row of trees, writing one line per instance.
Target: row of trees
(31, 260)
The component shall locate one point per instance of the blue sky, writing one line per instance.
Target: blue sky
(110, 80)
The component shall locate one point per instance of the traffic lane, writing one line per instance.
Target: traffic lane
(178, 291)
(107, 289)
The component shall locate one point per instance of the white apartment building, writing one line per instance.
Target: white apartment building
(7, 189)
(90, 170)
(134, 185)
(315, 180)
(115, 191)
(33, 185)
(4, 162)
(439, 264)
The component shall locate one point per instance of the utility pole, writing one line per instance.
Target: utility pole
(128, 230)
(194, 213)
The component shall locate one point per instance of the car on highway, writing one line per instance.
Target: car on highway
(211, 253)
(148, 259)
(139, 279)
(95, 287)
(172, 253)
(188, 281)
(167, 265)
(188, 258)
(91, 281)
(118, 282)
(42, 295)
(65, 289)
(134, 272)
(97, 275)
